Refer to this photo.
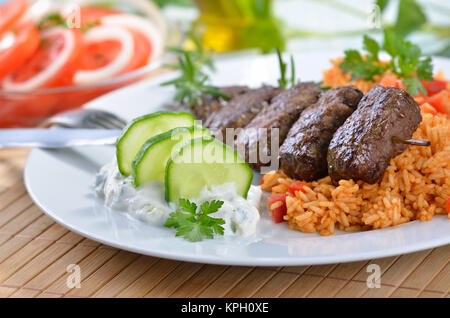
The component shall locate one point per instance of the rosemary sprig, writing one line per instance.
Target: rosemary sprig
(283, 81)
(193, 81)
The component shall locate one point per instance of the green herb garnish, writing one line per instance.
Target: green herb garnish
(194, 224)
(363, 67)
(52, 20)
(283, 81)
(410, 17)
(89, 25)
(406, 62)
(322, 87)
(193, 81)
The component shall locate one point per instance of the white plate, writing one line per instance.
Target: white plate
(59, 182)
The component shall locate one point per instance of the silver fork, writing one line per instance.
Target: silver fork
(86, 118)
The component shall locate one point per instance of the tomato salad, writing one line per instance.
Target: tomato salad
(42, 55)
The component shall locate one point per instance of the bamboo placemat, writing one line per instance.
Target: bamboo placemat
(35, 253)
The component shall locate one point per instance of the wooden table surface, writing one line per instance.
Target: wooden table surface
(35, 253)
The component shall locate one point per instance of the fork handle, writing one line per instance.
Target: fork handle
(56, 137)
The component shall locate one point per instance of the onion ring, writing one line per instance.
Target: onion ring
(145, 6)
(141, 25)
(42, 77)
(102, 33)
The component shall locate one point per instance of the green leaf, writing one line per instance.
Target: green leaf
(353, 62)
(187, 206)
(425, 69)
(211, 207)
(172, 221)
(192, 83)
(283, 80)
(382, 4)
(413, 85)
(207, 232)
(218, 229)
(192, 224)
(390, 42)
(352, 56)
(190, 232)
(406, 61)
(410, 17)
(182, 3)
(293, 80)
(371, 46)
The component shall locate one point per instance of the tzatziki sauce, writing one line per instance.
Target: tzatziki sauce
(147, 202)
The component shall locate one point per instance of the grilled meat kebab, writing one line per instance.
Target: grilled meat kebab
(211, 103)
(283, 111)
(239, 111)
(363, 146)
(303, 155)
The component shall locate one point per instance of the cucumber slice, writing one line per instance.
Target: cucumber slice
(143, 128)
(150, 162)
(205, 162)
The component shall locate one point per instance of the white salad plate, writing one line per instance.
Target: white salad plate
(60, 182)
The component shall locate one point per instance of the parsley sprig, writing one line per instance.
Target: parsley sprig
(193, 81)
(363, 67)
(406, 62)
(193, 223)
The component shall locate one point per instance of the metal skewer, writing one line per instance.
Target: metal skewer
(415, 142)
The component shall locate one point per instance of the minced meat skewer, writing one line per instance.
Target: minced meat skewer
(363, 146)
(211, 103)
(284, 110)
(240, 110)
(303, 155)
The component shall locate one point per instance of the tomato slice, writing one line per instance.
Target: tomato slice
(110, 50)
(144, 27)
(441, 101)
(141, 53)
(25, 43)
(92, 15)
(99, 54)
(10, 12)
(434, 87)
(53, 64)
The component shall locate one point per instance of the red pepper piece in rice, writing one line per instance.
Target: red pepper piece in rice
(277, 206)
(297, 186)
